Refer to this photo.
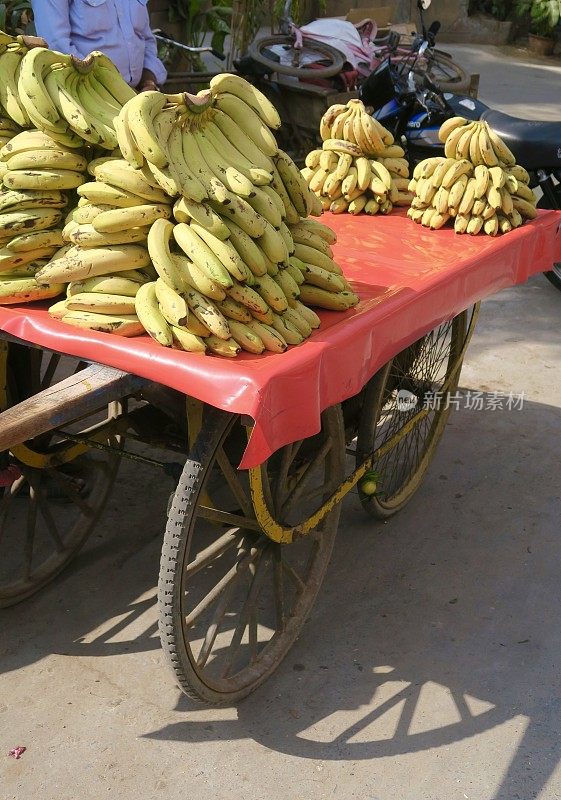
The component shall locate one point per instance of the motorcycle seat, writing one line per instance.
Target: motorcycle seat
(536, 144)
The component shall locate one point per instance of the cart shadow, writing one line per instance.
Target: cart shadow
(443, 627)
(430, 629)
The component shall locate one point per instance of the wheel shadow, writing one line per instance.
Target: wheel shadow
(431, 629)
(438, 627)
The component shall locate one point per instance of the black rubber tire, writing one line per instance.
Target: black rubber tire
(324, 52)
(554, 276)
(455, 78)
(176, 551)
(398, 373)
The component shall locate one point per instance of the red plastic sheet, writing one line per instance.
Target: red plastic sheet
(409, 279)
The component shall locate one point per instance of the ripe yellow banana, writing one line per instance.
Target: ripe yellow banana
(36, 239)
(185, 340)
(196, 278)
(247, 119)
(205, 311)
(196, 249)
(74, 263)
(150, 315)
(256, 100)
(185, 210)
(172, 305)
(272, 340)
(100, 303)
(42, 179)
(450, 125)
(122, 219)
(223, 250)
(502, 152)
(234, 310)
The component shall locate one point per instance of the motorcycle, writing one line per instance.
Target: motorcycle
(413, 110)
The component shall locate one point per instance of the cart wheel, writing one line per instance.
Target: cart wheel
(416, 374)
(231, 600)
(46, 511)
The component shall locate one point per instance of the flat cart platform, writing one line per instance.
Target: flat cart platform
(258, 448)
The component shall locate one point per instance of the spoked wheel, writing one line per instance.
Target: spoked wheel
(411, 381)
(53, 490)
(294, 60)
(232, 601)
(446, 74)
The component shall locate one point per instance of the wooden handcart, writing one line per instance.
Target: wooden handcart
(261, 450)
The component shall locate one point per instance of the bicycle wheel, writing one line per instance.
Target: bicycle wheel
(296, 69)
(417, 373)
(446, 74)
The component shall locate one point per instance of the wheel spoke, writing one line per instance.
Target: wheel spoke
(217, 548)
(214, 627)
(235, 573)
(45, 512)
(247, 609)
(65, 483)
(278, 586)
(294, 577)
(226, 518)
(305, 477)
(287, 459)
(233, 482)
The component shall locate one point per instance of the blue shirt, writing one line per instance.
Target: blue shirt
(119, 28)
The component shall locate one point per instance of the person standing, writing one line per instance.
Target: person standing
(118, 28)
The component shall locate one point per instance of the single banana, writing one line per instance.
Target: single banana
(247, 119)
(313, 158)
(122, 219)
(107, 285)
(474, 225)
(140, 115)
(256, 100)
(196, 249)
(450, 125)
(263, 205)
(100, 193)
(456, 193)
(226, 348)
(100, 303)
(461, 167)
(482, 180)
(451, 144)
(149, 314)
(205, 311)
(125, 139)
(525, 209)
(47, 159)
(502, 152)
(172, 305)
(183, 339)
(159, 238)
(272, 340)
(306, 313)
(309, 255)
(249, 298)
(329, 118)
(185, 210)
(234, 310)
(195, 277)
(222, 250)
(58, 179)
(37, 239)
(489, 157)
(331, 301)
(74, 263)
(461, 223)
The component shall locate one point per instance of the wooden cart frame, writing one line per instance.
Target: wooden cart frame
(244, 552)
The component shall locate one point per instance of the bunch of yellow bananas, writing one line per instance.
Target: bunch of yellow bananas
(36, 171)
(477, 183)
(235, 266)
(358, 168)
(71, 100)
